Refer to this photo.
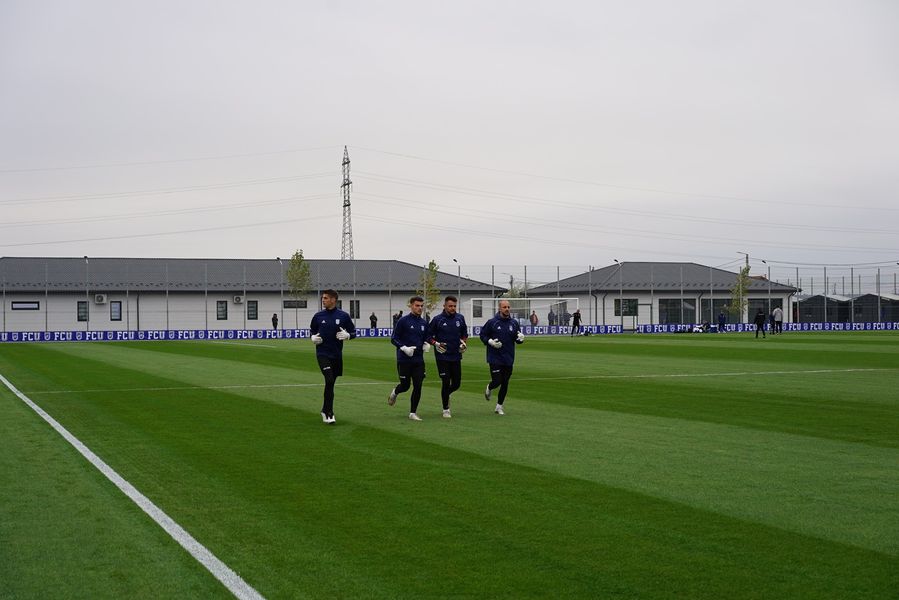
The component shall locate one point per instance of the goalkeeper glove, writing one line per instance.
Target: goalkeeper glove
(342, 335)
(408, 350)
(495, 343)
(520, 337)
(316, 339)
(441, 348)
(463, 346)
(426, 347)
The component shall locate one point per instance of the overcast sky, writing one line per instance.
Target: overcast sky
(506, 133)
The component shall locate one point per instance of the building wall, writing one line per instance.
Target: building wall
(189, 310)
(601, 309)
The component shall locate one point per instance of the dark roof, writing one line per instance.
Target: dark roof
(197, 274)
(656, 276)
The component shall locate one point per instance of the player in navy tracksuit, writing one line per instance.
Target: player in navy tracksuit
(410, 336)
(500, 334)
(330, 328)
(448, 334)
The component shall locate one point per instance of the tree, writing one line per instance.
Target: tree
(738, 299)
(298, 280)
(427, 286)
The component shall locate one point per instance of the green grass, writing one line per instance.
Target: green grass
(682, 466)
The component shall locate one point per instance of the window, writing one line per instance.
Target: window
(252, 310)
(221, 310)
(294, 304)
(718, 307)
(630, 307)
(115, 310)
(674, 311)
(477, 309)
(82, 310)
(754, 304)
(26, 305)
(354, 309)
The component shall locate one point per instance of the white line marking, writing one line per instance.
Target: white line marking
(355, 383)
(231, 580)
(240, 344)
(728, 374)
(204, 387)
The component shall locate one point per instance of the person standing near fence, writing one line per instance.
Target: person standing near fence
(449, 337)
(500, 334)
(576, 324)
(778, 320)
(410, 336)
(760, 323)
(330, 328)
(274, 320)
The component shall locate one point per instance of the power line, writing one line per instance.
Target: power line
(161, 213)
(618, 230)
(157, 191)
(625, 187)
(624, 211)
(161, 162)
(162, 233)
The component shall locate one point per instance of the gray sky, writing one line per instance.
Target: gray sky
(507, 133)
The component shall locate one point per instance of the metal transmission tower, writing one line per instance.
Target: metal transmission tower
(346, 245)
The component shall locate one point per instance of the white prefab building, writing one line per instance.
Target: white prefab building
(121, 294)
(662, 293)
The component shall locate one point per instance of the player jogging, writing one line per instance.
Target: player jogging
(330, 328)
(448, 334)
(500, 334)
(410, 336)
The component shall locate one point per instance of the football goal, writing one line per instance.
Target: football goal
(549, 311)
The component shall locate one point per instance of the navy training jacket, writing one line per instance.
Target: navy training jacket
(327, 323)
(449, 330)
(506, 331)
(412, 331)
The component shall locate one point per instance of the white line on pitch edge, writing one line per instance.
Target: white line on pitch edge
(231, 580)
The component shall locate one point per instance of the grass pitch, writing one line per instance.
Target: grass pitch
(681, 466)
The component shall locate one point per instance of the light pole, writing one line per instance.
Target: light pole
(87, 295)
(620, 294)
(458, 280)
(281, 288)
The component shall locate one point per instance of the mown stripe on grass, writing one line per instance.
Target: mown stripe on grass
(836, 490)
(231, 580)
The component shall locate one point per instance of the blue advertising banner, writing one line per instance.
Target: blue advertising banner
(750, 327)
(272, 334)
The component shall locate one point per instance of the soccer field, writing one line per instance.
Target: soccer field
(626, 466)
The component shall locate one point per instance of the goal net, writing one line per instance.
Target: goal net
(549, 311)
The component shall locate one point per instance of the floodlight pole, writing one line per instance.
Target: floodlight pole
(281, 288)
(620, 295)
(458, 279)
(87, 295)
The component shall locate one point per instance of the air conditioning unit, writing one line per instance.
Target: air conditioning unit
(238, 299)
(100, 298)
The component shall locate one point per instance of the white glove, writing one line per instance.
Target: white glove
(462, 346)
(342, 335)
(408, 350)
(426, 347)
(316, 339)
(441, 348)
(520, 337)
(495, 343)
